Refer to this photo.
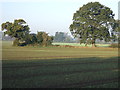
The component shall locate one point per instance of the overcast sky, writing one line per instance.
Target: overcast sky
(47, 15)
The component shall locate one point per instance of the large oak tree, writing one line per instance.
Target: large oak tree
(92, 21)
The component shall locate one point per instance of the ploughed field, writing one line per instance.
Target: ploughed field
(59, 67)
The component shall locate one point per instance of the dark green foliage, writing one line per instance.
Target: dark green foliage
(46, 40)
(17, 29)
(91, 22)
(116, 30)
(39, 38)
(22, 35)
(28, 39)
(60, 73)
(116, 25)
(50, 40)
(33, 38)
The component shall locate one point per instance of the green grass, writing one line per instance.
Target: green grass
(59, 67)
(31, 53)
(109, 85)
(80, 72)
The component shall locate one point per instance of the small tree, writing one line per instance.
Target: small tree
(92, 21)
(44, 39)
(39, 38)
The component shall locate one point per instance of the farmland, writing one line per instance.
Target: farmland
(59, 67)
(29, 53)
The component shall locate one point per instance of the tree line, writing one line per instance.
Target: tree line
(21, 32)
(93, 21)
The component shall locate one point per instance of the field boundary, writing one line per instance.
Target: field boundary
(70, 46)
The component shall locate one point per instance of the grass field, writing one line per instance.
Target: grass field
(59, 67)
(29, 53)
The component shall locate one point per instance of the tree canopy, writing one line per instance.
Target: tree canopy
(20, 31)
(17, 29)
(92, 21)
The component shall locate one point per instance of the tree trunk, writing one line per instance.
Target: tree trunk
(93, 43)
(16, 42)
(86, 44)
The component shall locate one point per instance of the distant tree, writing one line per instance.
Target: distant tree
(59, 37)
(92, 21)
(63, 37)
(116, 30)
(17, 29)
(68, 39)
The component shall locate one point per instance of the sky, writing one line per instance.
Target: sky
(47, 15)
